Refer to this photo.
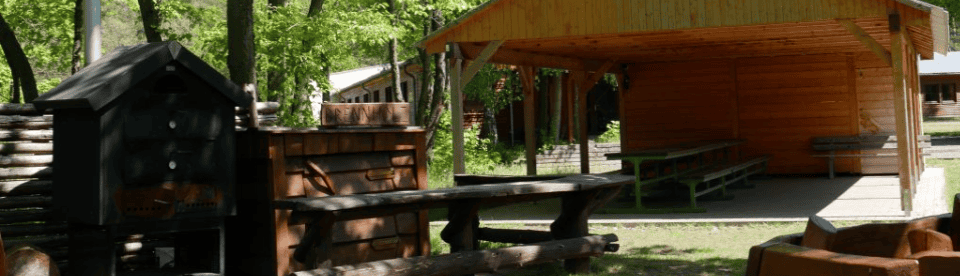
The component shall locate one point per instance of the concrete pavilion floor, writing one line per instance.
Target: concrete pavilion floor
(775, 199)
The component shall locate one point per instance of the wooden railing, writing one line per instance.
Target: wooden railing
(26, 189)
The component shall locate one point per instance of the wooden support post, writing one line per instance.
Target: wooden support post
(583, 89)
(622, 93)
(456, 104)
(900, 110)
(316, 244)
(572, 222)
(529, 119)
(461, 228)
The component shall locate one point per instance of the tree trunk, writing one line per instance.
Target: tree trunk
(490, 123)
(440, 85)
(19, 65)
(426, 94)
(77, 37)
(240, 56)
(557, 101)
(151, 20)
(394, 65)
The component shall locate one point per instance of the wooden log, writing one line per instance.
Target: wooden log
(24, 173)
(20, 230)
(513, 235)
(25, 187)
(365, 114)
(18, 109)
(25, 215)
(9, 202)
(26, 122)
(490, 260)
(26, 160)
(35, 148)
(263, 108)
(31, 135)
(44, 241)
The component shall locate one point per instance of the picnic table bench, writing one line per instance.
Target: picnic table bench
(580, 195)
(885, 146)
(692, 175)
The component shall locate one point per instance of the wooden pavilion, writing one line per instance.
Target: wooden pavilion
(773, 72)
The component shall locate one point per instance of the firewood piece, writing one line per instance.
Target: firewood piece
(490, 260)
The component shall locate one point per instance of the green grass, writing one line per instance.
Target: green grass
(941, 126)
(665, 249)
(951, 168)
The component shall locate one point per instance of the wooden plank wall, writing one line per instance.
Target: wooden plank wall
(778, 104)
(874, 91)
(668, 103)
(786, 101)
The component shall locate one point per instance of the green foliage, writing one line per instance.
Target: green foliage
(481, 156)
(612, 135)
(45, 32)
(483, 87)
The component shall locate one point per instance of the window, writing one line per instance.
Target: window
(366, 98)
(356, 99)
(389, 92)
(376, 96)
(940, 92)
(404, 90)
(349, 101)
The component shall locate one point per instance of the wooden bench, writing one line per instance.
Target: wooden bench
(580, 195)
(672, 155)
(725, 173)
(887, 144)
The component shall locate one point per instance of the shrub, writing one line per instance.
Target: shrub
(612, 135)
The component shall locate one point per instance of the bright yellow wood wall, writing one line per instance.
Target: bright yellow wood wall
(778, 104)
(527, 19)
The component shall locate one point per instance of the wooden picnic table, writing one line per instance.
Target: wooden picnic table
(672, 154)
(580, 195)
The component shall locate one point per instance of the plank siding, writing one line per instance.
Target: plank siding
(875, 96)
(777, 104)
(670, 103)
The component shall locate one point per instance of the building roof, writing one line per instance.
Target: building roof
(576, 34)
(941, 65)
(344, 79)
(104, 80)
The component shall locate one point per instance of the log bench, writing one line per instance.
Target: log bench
(719, 176)
(580, 195)
(882, 145)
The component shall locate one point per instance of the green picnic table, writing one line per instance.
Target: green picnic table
(671, 154)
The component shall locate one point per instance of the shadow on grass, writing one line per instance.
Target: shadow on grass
(651, 260)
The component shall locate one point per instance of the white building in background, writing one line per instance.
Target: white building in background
(371, 85)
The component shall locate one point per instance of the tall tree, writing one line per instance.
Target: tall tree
(151, 20)
(23, 80)
(441, 83)
(240, 57)
(76, 63)
(394, 65)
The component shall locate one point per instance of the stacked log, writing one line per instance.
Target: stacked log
(26, 189)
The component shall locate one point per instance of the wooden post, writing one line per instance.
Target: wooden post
(572, 222)
(529, 121)
(584, 139)
(900, 110)
(456, 104)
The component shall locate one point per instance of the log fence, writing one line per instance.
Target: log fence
(26, 189)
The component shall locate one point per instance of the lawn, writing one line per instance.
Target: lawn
(941, 126)
(665, 248)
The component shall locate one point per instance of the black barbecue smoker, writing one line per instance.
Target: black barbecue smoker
(144, 144)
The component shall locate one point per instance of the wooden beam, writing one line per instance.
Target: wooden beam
(596, 76)
(867, 40)
(456, 104)
(529, 121)
(479, 61)
(905, 166)
(521, 58)
(582, 89)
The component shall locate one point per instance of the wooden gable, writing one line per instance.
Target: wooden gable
(597, 29)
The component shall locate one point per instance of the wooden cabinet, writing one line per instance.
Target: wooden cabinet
(282, 163)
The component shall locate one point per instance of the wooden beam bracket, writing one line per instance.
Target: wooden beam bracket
(867, 40)
(480, 60)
